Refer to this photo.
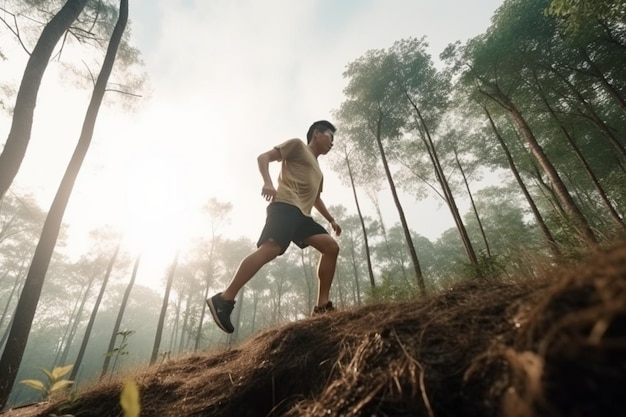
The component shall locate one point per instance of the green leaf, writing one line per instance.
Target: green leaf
(129, 399)
(35, 384)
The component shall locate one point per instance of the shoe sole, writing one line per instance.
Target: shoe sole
(216, 319)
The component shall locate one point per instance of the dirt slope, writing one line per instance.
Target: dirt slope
(551, 347)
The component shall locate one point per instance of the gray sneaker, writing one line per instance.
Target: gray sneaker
(323, 309)
(221, 309)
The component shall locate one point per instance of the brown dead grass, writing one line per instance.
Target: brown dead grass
(555, 346)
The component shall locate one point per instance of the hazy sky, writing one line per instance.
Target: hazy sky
(229, 79)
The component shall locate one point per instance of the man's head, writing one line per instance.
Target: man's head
(322, 126)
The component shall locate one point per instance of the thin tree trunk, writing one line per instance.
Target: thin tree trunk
(593, 116)
(471, 197)
(22, 122)
(27, 304)
(405, 227)
(209, 276)
(174, 334)
(355, 270)
(368, 256)
(92, 317)
(382, 225)
(596, 72)
(118, 320)
(70, 339)
(552, 244)
(596, 183)
(14, 288)
(570, 207)
(445, 186)
(166, 301)
(61, 345)
(185, 329)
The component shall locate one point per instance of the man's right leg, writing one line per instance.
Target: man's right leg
(222, 304)
(250, 266)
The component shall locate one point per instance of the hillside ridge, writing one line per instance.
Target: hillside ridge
(554, 346)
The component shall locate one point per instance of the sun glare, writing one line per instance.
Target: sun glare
(158, 213)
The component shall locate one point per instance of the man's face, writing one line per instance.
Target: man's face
(326, 139)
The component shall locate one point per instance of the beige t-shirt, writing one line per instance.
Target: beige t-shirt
(300, 180)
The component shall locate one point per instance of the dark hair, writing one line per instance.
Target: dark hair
(320, 125)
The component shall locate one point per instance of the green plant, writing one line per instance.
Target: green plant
(121, 350)
(55, 381)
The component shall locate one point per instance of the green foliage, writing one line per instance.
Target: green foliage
(393, 289)
(488, 268)
(55, 382)
(121, 350)
(576, 12)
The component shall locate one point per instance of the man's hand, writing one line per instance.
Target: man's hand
(336, 228)
(268, 192)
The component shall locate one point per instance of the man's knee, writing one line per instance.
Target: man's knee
(333, 247)
(325, 244)
(270, 249)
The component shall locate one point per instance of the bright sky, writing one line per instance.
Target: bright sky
(229, 79)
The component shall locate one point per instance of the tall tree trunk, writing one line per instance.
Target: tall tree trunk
(471, 197)
(61, 344)
(592, 115)
(118, 320)
(554, 247)
(14, 288)
(27, 304)
(570, 207)
(185, 327)
(443, 182)
(166, 301)
(596, 72)
(174, 334)
(619, 222)
(70, 338)
(379, 213)
(355, 271)
(92, 317)
(22, 122)
(207, 284)
(368, 256)
(405, 227)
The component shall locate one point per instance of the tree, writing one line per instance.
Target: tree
(426, 94)
(21, 126)
(120, 316)
(166, 301)
(494, 64)
(27, 304)
(343, 166)
(94, 312)
(372, 108)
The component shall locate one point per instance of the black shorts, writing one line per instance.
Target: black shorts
(285, 223)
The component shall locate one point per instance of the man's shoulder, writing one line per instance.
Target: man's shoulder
(290, 146)
(291, 142)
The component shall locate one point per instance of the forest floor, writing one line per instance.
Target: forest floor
(551, 346)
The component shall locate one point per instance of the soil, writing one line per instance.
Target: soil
(551, 346)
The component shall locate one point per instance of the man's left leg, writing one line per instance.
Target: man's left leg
(329, 250)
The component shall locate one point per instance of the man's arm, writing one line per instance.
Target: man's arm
(268, 191)
(321, 207)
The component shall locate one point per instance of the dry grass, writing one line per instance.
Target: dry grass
(555, 346)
